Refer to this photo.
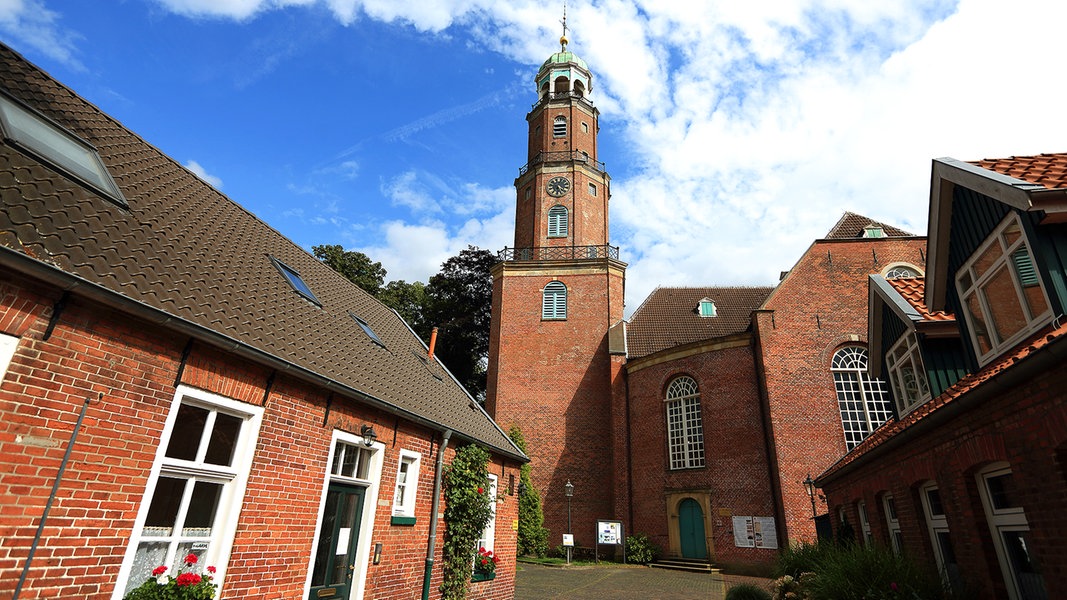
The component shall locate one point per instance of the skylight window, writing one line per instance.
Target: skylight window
(367, 330)
(35, 134)
(295, 280)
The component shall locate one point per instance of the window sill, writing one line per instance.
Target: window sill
(483, 576)
(402, 520)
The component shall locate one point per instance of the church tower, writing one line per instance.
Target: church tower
(556, 294)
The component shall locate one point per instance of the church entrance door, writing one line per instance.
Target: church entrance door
(691, 529)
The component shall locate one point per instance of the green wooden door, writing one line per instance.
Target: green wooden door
(335, 556)
(691, 529)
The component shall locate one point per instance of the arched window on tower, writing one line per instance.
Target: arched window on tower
(863, 402)
(685, 424)
(579, 88)
(559, 126)
(562, 85)
(557, 221)
(554, 301)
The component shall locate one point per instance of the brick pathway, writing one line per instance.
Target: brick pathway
(536, 582)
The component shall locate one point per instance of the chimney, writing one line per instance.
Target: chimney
(433, 342)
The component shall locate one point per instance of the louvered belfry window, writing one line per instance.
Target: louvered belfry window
(554, 301)
(685, 425)
(559, 127)
(557, 221)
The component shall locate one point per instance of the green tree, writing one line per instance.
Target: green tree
(355, 266)
(468, 508)
(408, 299)
(459, 304)
(533, 537)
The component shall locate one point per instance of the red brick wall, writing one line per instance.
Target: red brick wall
(820, 307)
(735, 472)
(95, 351)
(553, 379)
(1026, 427)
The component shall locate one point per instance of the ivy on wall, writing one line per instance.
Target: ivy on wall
(468, 508)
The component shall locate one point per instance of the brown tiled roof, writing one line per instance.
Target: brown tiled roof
(1048, 170)
(911, 289)
(851, 226)
(968, 383)
(669, 317)
(185, 249)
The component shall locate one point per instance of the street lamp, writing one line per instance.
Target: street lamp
(569, 491)
(809, 485)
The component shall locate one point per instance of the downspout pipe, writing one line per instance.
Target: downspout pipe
(51, 499)
(431, 545)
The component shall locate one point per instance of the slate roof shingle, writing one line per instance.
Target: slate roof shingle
(668, 317)
(187, 250)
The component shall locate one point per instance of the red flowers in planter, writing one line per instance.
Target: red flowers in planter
(485, 562)
(187, 585)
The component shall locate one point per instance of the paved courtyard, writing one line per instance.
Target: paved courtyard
(535, 582)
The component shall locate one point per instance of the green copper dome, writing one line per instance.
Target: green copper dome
(565, 57)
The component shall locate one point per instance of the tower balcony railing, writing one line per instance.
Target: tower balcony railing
(559, 253)
(564, 156)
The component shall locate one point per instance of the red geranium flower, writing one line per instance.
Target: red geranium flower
(481, 491)
(191, 559)
(156, 572)
(211, 570)
(187, 579)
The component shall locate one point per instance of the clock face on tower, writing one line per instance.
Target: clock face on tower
(557, 186)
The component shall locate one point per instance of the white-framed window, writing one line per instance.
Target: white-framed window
(489, 533)
(907, 376)
(896, 538)
(559, 126)
(873, 231)
(706, 308)
(8, 345)
(1001, 291)
(865, 524)
(194, 492)
(898, 271)
(685, 424)
(937, 524)
(407, 483)
(585, 127)
(558, 221)
(861, 399)
(1011, 534)
(554, 301)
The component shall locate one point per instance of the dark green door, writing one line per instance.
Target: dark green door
(691, 529)
(335, 556)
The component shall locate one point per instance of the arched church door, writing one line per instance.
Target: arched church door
(691, 529)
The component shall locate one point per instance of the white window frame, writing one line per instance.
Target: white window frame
(907, 374)
(8, 345)
(554, 301)
(901, 270)
(405, 492)
(896, 537)
(685, 424)
(937, 525)
(862, 401)
(865, 524)
(558, 221)
(1001, 520)
(592, 189)
(707, 308)
(970, 284)
(370, 506)
(488, 538)
(234, 478)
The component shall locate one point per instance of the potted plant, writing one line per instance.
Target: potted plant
(484, 565)
(186, 585)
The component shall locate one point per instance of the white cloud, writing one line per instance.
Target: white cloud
(30, 23)
(202, 173)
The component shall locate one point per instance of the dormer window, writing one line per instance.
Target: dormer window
(1001, 291)
(906, 373)
(873, 231)
(559, 126)
(293, 277)
(706, 308)
(37, 135)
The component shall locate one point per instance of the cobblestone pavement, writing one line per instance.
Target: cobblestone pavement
(535, 582)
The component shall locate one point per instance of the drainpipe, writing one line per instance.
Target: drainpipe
(431, 546)
(51, 498)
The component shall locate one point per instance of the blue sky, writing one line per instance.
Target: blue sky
(734, 134)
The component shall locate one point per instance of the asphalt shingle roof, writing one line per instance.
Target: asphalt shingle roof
(1048, 170)
(669, 317)
(852, 225)
(187, 250)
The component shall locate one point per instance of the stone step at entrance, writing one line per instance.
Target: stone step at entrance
(685, 564)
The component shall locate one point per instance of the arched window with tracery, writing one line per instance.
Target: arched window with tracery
(863, 402)
(685, 425)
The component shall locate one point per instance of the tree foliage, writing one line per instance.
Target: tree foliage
(355, 266)
(468, 508)
(533, 537)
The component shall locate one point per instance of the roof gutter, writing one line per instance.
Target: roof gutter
(42, 271)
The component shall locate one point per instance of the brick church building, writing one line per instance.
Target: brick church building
(698, 420)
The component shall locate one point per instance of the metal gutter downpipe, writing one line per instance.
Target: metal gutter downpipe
(431, 545)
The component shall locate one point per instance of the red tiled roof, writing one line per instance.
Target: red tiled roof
(911, 289)
(968, 383)
(1049, 170)
(668, 317)
(851, 226)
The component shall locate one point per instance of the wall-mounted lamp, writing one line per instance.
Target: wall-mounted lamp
(369, 436)
(809, 485)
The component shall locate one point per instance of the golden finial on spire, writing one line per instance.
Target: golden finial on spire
(563, 38)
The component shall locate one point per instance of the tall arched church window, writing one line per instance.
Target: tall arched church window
(559, 126)
(863, 402)
(685, 425)
(557, 221)
(554, 301)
